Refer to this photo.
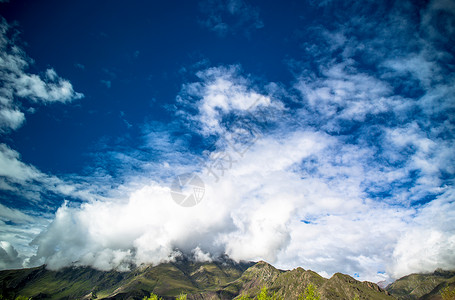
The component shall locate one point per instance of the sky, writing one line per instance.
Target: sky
(317, 134)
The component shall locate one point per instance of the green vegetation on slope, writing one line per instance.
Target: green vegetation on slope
(310, 293)
(422, 286)
(215, 280)
(303, 283)
(448, 293)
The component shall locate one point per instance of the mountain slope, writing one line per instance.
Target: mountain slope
(291, 284)
(223, 279)
(422, 286)
(168, 279)
(68, 282)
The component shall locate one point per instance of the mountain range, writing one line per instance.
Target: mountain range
(221, 279)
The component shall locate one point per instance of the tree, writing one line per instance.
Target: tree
(181, 297)
(310, 293)
(152, 297)
(448, 293)
(244, 297)
(263, 294)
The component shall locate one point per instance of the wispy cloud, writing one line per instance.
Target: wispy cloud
(106, 83)
(32, 184)
(222, 91)
(230, 17)
(79, 66)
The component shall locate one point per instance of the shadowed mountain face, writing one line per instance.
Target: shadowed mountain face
(222, 279)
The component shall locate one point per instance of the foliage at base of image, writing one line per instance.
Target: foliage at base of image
(152, 297)
(448, 293)
(155, 297)
(181, 297)
(244, 297)
(264, 295)
(310, 293)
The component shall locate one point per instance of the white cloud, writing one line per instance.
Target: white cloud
(417, 66)
(9, 258)
(11, 118)
(18, 230)
(430, 242)
(13, 215)
(201, 256)
(344, 93)
(33, 87)
(148, 222)
(30, 183)
(16, 83)
(221, 91)
(423, 250)
(11, 166)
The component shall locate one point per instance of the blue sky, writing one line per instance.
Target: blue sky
(323, 132)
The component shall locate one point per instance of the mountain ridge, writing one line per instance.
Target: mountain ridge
(224, 279)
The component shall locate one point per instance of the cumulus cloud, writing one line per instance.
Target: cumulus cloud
(11, 118)
(149, 222)
(18, 229)
(17, 84)
(9, 258)
(201, 256)
(230, 16)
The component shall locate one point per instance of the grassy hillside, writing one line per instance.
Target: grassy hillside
(291, 284)
(224, 279)
(168, 279)
(423, 286)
